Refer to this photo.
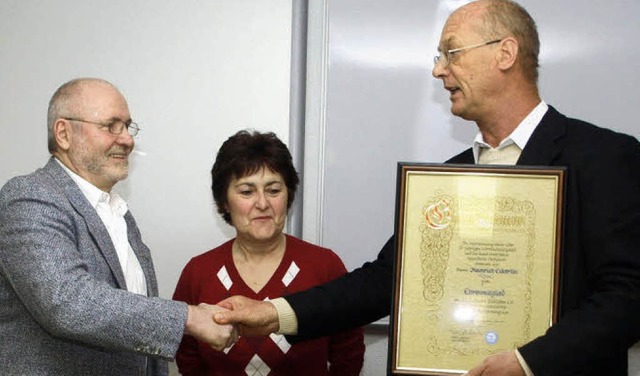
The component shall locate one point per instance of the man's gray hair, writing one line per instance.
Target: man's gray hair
(62, 102)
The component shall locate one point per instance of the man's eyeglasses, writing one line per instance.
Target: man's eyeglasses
(445, 57)
(114, 127)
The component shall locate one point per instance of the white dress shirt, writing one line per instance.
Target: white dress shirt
(111, 209)
(520, 136)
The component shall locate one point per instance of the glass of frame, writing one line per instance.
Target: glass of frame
(477, 263)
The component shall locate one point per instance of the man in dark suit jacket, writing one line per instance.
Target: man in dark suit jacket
(488, 63)
(78, 293)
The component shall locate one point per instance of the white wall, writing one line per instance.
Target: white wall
(373, 102)
(196, 71)
(193, 72)
(378, 103)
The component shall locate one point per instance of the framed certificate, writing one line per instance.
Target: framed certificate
(477, 262)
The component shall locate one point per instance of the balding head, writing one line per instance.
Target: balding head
(68, 101)
(82, 117)
(500, 18)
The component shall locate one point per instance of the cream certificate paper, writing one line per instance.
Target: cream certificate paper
(477, 270)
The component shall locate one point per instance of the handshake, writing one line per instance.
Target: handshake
(222, 324)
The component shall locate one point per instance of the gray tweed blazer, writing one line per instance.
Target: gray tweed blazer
(64, 308)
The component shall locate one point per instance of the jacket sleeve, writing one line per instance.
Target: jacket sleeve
(63, 282)
(357, 298)
(601, 287)
(188, 358)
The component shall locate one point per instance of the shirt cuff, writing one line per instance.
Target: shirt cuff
(523, 364)
(286, 317)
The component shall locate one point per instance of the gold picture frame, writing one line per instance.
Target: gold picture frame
(477, 263)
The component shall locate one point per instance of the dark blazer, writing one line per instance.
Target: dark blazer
(600, 267)
(63, 305)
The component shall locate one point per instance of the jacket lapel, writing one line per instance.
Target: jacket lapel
(545, 145)
(95, 225)
(142, 253)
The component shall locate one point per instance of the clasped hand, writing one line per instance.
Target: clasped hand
(251, 317)
(202, 326)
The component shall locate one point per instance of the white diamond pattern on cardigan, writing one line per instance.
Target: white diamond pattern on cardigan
(257, 367)
(224, 278)
(291, 274)
(280, 341)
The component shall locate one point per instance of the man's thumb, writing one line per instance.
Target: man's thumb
(221, 318)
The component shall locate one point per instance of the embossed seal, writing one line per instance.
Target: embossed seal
(491, 338)
(438, 215)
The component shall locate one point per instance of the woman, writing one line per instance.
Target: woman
(254, 184)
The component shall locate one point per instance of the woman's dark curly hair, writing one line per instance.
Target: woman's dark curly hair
(246, 153)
